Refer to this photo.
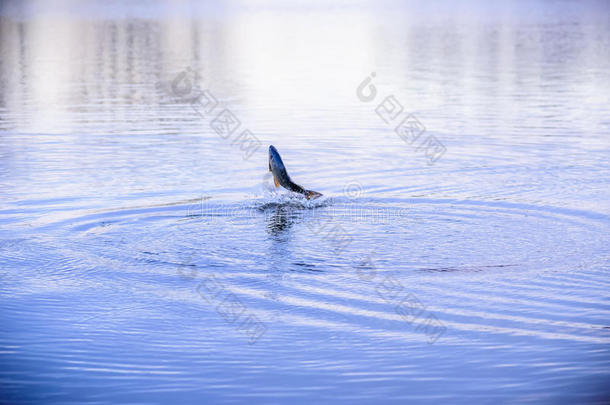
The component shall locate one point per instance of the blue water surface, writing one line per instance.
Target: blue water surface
(460, 253)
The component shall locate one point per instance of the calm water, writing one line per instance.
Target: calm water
(147, 258)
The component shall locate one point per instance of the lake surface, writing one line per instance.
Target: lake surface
(146, 256)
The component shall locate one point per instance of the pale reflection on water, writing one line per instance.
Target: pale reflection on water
(147, 258)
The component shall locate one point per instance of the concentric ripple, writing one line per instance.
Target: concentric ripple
(481, 268)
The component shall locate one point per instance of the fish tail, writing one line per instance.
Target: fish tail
(309, 194)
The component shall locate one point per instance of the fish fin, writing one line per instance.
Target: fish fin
(277, 183)
(309, 194)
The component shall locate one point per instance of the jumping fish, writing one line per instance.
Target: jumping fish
(281, 177)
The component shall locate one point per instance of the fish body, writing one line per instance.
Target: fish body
(281, 177)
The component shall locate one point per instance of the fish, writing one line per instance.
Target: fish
(281, 177)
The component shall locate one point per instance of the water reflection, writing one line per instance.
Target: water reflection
(280, 220)
(102, 72)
